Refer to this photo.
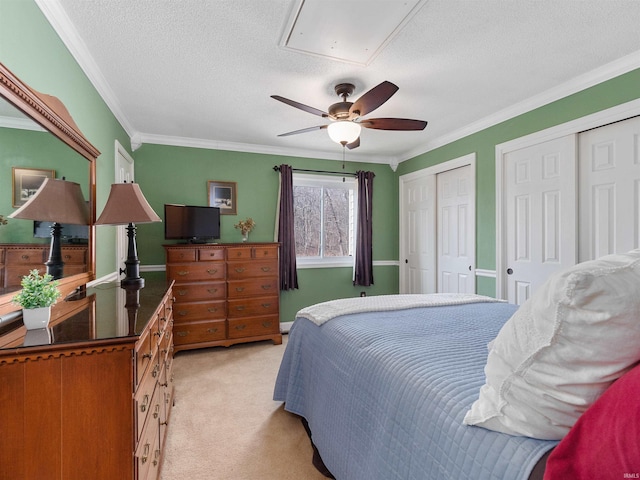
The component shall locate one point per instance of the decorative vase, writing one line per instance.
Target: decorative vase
(245, 236)
(36, 317)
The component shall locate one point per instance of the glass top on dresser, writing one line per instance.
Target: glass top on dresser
(104, 311)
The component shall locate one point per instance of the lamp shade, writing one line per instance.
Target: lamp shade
(344, 131)
(126, 204)
(57, 200)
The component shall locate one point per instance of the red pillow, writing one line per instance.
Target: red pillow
(605, 441)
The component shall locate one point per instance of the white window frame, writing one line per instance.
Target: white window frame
(332, 181)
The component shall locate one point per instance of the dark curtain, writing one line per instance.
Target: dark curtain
(286, 236)
(363, 270)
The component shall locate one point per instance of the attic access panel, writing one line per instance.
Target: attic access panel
(354, 31)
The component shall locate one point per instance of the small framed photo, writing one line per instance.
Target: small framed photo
(26, 182)
(223, 196)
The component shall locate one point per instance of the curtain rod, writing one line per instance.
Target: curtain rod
(277, 169)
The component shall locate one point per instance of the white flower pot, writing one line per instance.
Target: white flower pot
(36, 317)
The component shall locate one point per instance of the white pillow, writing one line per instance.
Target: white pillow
(562, 348)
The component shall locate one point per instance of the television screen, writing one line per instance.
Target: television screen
(193, 223)
(69, 233)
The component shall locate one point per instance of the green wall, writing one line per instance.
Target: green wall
(616, 91)
(169, 174)
(32, 50)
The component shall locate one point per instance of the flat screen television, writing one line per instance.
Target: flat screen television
(191, 223)
(69, 233)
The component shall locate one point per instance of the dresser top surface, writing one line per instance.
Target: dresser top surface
(105, 311)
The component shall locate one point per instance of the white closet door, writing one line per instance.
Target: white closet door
(540, 222)
(610, 189)
(456, 231)
(418, 248)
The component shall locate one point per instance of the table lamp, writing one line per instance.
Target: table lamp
(57, 201)
(126, 205)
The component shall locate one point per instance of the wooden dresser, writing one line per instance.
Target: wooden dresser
(18, 259)
(91, 396)
(225, 293)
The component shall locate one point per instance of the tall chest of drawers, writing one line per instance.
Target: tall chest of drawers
(91, 396)
(225, 293)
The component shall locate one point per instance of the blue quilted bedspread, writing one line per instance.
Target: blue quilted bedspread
(385, 394)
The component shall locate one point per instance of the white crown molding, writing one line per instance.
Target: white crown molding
(20, 124)
(582, 82)
(60, 22)
(141, 138)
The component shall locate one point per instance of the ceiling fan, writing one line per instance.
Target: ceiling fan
(347, 116)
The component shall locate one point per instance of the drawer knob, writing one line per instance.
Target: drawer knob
(266, 287)
(239, 269)
(239, 289)
(212, 309)
(25, 257)
(240, 327)
(182, 273)
(266, 269)
(143, 406)
(67, 257)
(240, 307)
(212, 271)
(147, 355)
(266, 305)
(183, 333)
(182, 313)
(156, 412)
(182, 293)
(266, 324)
(212, 290)
(145, 453)
(212, 330)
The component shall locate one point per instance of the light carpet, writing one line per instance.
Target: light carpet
(225, 425)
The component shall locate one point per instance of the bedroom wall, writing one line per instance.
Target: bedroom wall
(169, 174)
(616, 91)
(32, 50)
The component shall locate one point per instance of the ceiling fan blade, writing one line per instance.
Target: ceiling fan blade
(394, 124)
(371, 100)
(301, 106)
(304, 130)
(354, 144)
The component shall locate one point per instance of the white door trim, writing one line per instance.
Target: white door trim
(470, 160)
(598, 119)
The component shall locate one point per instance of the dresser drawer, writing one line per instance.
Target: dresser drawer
(200, 311)
(179, 255)
(196, 332)
(190, 292)
(73, 256)
(211, 255)
(143, 354)
(13, 275)
(26, 256)
(253, 287)
(247, 327)
(251, 269)
(196, 271)
(246, 307)
(147, 452)
(253, 252)
(144, 402)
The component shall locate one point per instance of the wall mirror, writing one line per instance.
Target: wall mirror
(39, 134)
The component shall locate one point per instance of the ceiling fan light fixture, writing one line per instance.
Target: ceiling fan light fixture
(344, 131)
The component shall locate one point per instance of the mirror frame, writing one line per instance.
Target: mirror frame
(51, 114)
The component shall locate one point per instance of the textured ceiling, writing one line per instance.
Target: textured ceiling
(201, 72)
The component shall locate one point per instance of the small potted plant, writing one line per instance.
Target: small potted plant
(245, 226)
(37, 296)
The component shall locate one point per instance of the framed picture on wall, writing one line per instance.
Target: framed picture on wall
(223, 196)
(26, 182)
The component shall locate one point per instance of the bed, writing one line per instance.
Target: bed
(418, 387)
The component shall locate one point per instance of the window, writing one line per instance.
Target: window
(324, 209)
